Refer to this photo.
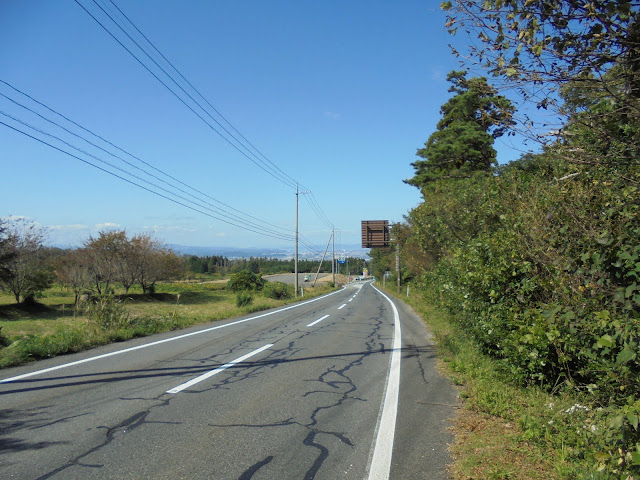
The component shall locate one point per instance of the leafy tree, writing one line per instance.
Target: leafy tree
(26, 272)
(6, 252)
(73, 270)
(107, 258)
(152, 262)
(463, 142)
(538, 47)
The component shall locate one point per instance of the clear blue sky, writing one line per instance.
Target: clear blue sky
(339, 95)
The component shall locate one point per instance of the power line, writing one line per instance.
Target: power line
(249, 227)
(224, 212)
(269, 167)
(125, 179)
(200, 95)
(248, 155)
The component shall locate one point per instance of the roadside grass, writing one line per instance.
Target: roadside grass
(504, 431)
(54, 326)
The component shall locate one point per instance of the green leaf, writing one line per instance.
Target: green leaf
(605, 341)
(633, 420)
(626, 355)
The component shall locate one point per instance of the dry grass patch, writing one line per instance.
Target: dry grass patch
(488, 447)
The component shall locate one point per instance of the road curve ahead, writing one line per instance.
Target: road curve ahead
(322, 389)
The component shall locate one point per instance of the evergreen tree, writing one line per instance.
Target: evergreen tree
(463, 142)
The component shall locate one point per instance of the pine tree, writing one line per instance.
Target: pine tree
(463, 142)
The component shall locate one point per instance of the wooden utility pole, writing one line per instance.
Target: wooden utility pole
(398, 262)
(295, 261)
(333, 255)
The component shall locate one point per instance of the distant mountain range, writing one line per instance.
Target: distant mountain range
(354, 251)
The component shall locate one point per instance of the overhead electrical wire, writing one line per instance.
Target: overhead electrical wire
(254, 229)
(220, 210)
(247, 154)
(230, 219)
(125, 152)
(201, 96)
(120, 177)
(259, 159)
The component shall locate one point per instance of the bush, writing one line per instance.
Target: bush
(4, 340)
(243, 299)
(107, 312)
(245, 280)
(277, 290)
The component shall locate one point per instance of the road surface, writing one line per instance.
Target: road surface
(323, 389)
(289, 278)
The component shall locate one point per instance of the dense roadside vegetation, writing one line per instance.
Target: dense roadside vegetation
(533, 268)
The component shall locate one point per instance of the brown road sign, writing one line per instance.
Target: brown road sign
(375, 233)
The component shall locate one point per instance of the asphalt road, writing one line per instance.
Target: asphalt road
(290, 278)
(324, 389)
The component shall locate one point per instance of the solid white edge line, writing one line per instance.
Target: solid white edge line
(342, 306)
(317, 321)
(126, 350)
(382, 451)
(204, 376)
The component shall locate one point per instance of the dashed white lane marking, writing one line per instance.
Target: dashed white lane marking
(151, 344)
(383, 449)
(350, 299)
(342, 306)
(204, 376)
(317, 321)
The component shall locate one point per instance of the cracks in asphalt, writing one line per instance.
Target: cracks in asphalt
(335, 388)
(129, 424)
(250, 472)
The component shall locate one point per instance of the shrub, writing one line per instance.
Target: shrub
(277, 290)
(107, 312)
(245, 280)
(4, 340)
(243, 299)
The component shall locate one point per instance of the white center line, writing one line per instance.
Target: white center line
(350, 299)
(190, 383)
(342, 306)
(317, 321)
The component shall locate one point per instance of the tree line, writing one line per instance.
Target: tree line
(27, 267)
(263, 265)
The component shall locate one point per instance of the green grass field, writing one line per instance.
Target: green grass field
(55, 326)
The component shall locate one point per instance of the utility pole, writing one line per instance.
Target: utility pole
(295, 261)
(398, 262)
(333, 255)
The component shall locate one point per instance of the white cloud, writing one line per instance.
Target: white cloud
(221, 234)
(107, 225)
(332, 115)
(14, 218)
(69, 227)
